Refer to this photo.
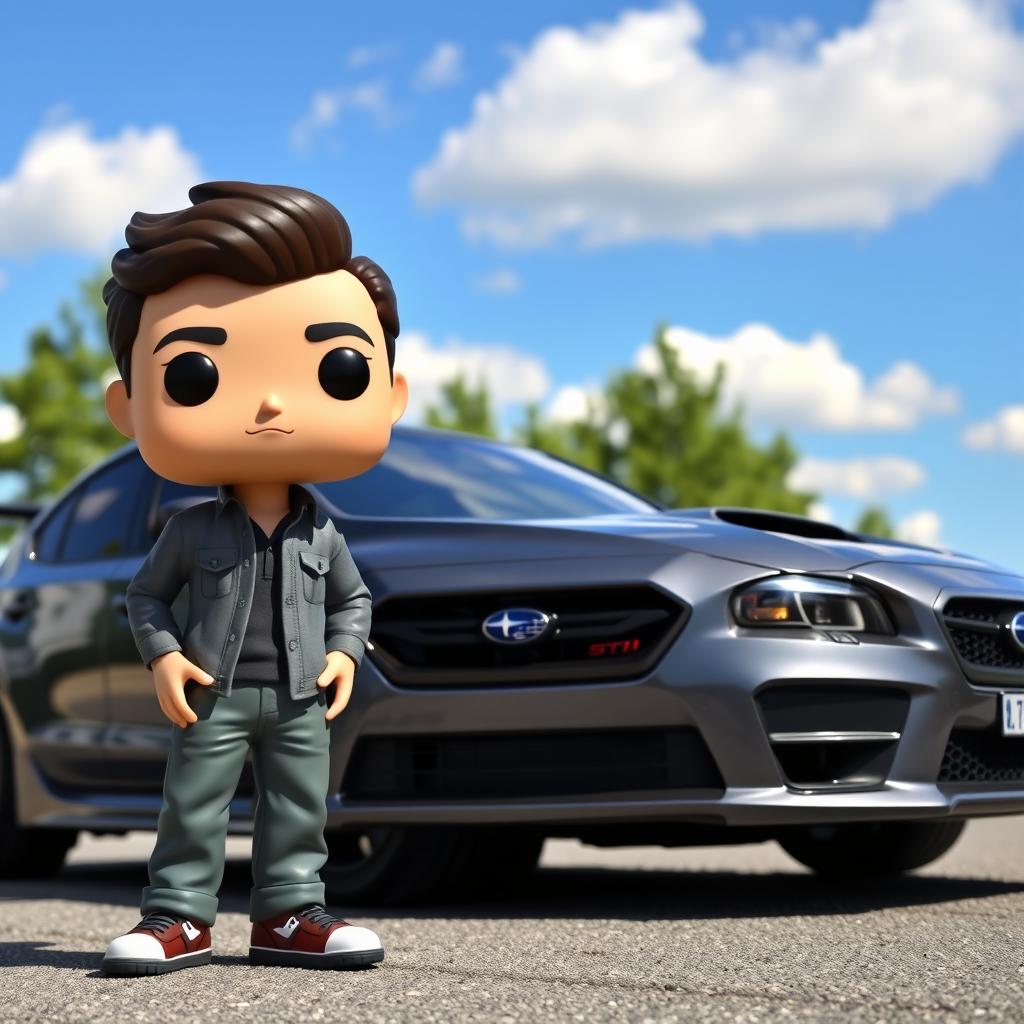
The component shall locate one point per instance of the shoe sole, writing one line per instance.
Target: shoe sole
(124, 967)
(317, 961)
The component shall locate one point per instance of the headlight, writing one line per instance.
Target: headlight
(809, 601)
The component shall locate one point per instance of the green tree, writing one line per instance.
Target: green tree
(58, 398)
(874, 520)
(662, 433)
(463, 408)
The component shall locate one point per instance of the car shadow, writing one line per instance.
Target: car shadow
(40, 954)
(559, 892)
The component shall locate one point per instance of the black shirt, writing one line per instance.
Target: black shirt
(262, 656)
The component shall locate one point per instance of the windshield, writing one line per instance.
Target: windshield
(437, 475)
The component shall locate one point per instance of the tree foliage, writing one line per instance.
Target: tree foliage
(463, 407)
(58, 398)
(663, 433)
(874, 520)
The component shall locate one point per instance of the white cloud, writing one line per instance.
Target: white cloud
(70, 190)
(821, 511)
(793, 37)
(624, 130)
(793, 384)
(1003, 432)
(442, 68)
(327, 106)
(510, 376)
(922, 527)
(11, 423)
(786, 384)
(363, 56)
(573, 402)
(865, 478)
(502, 281)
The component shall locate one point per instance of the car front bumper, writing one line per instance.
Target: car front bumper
(710, 680)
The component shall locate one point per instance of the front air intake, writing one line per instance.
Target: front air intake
(833, 736)
(520, 765)
(983, 756)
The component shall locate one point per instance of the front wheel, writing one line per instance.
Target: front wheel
(873, 849)
(26, 852)
(404, 864)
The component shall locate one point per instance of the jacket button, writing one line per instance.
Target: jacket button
(231, 639)
(292, 644)
(289, 600)
(215, 562)
(245, 562)
(241, 602)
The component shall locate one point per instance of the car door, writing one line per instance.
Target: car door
(56, 613)
(139, 734)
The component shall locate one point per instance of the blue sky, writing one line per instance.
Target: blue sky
(828, 197)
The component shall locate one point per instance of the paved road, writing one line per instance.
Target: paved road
(739, 935)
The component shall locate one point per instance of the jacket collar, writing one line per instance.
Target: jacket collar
(298, 498)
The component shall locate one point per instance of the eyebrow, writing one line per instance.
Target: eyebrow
(202, 335)
(324, 332)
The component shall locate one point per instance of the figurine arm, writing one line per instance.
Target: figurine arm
(347, 608)
(153, 590)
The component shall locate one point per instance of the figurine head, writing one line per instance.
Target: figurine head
(252, 346)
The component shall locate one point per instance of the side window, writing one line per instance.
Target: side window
(103, 523)
(49, 536)
(170, 491)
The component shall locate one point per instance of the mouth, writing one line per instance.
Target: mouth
(264, 430)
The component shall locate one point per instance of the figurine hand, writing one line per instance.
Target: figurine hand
(340, 670)
(171, 671)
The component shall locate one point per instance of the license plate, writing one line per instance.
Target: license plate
(1013, 714)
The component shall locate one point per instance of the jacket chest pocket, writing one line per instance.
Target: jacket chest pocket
(314, 573)
(215, 568)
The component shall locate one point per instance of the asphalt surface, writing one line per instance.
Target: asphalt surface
(645, 935)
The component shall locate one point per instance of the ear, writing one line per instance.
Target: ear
(399, 397)
(119, 409)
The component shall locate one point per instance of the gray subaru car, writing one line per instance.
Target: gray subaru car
(551, 655)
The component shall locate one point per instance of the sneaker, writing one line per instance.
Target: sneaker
(159, 943)
(312, 938)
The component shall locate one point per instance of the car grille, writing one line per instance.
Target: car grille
(485, 766)
(598, 633)
(977, 628)
(982, 755)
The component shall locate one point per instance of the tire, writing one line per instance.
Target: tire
(874, 849)
(26, 852)
(400, 864)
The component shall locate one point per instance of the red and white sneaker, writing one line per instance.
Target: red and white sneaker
(159, 943)
(312, 938)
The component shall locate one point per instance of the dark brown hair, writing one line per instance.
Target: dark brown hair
(256, 234)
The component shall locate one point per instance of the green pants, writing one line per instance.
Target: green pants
(290, 743)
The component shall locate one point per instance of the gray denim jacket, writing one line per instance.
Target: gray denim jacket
(211, 549)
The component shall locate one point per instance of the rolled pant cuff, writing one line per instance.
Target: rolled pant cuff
(197, 906)
(276, 899)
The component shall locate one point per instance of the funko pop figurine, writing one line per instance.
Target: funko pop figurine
(255, 352)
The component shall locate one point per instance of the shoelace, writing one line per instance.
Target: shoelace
(158, 921)
(318, 915)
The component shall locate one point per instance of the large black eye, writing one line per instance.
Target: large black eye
(344, 373)
(191, 378)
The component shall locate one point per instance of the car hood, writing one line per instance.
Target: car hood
(408, 543)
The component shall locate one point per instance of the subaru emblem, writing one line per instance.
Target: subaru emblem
(515, 625)
(1017, 629)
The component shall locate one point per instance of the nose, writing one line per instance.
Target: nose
(270, 407)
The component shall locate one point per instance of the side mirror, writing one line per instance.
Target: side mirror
(164, 512)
